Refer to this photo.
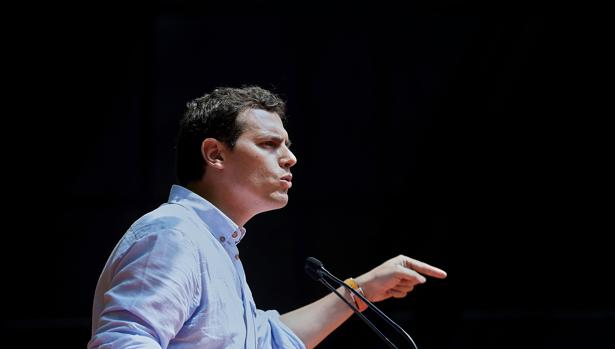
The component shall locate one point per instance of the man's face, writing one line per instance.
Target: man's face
(258, 167)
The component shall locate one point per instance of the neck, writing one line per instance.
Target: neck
(220, 198)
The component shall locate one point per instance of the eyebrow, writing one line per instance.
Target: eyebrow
(278, 139)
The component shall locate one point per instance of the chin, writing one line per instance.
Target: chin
(272, 207)
(279, 200)
(274, 202)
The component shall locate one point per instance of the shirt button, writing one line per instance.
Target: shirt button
(237, 257)
(234, 234)
(222, 238)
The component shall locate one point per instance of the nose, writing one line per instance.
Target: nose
(288, 159)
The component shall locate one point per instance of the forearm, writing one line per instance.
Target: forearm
(393, 278)
(315, 321)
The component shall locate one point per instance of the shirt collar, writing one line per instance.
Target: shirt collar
(221, 226)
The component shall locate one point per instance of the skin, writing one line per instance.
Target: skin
(255, 177)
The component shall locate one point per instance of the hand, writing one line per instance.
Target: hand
(396, 277)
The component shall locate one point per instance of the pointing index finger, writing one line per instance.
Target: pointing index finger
(424, 268)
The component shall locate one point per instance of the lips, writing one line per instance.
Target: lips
(287, 180)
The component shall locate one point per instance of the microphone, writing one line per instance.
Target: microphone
(315, 269)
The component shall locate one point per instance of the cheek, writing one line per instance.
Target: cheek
(259, 173)
(257, 169)
(262, 175)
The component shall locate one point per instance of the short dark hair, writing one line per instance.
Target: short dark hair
(215, 116)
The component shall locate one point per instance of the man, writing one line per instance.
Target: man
(175, 279)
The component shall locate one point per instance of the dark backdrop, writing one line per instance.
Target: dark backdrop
(472, 140)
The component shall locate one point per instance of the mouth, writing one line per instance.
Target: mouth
(287, 180)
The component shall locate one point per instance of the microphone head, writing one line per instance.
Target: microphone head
(313, 268)
(313, 262)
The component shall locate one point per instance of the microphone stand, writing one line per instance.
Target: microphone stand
(316, 271)
(371, 305)
(369, 323)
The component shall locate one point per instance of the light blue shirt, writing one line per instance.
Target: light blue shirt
(175, 280)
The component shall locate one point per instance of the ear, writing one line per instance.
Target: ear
(212, 151)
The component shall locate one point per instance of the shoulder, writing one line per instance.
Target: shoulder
(169, 226)
(170, 217)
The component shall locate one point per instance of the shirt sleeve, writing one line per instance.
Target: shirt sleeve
(273, 333)
(149, 292)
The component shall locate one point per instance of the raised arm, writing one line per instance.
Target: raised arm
(393, 278)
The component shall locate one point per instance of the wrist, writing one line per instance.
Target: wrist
(358, 302)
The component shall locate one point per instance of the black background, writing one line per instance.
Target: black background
(471, 138)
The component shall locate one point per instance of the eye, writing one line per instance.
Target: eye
(269, 144)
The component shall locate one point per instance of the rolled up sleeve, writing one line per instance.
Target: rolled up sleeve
(273, 333)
